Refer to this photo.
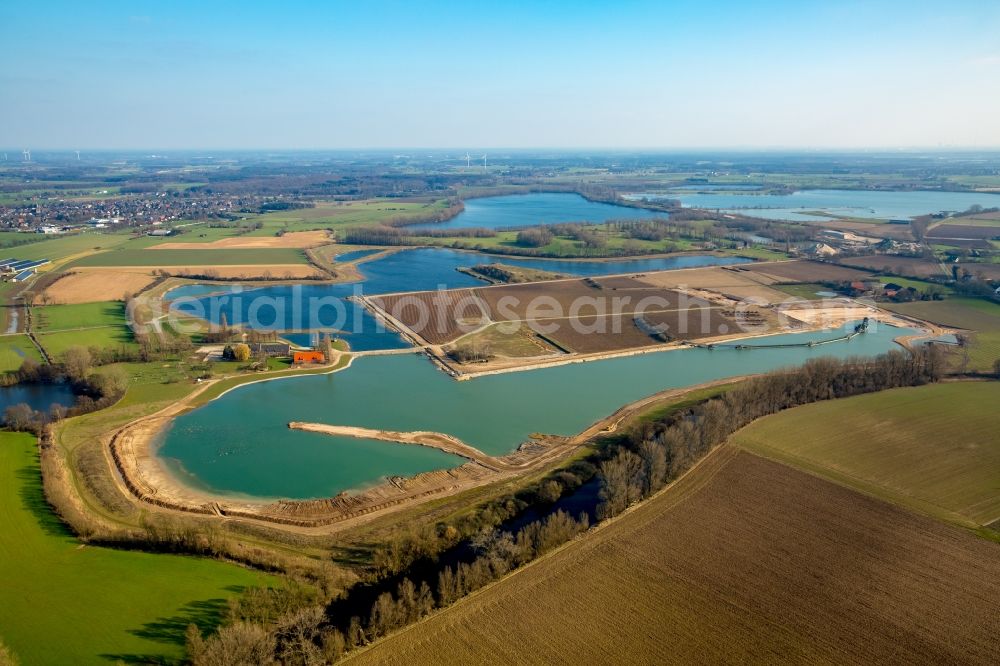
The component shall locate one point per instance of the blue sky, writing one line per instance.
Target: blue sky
(467, 75)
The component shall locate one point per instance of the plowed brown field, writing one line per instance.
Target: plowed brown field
(589, 335)
(743, 560)
(963, 231)
(808, 271)
(728, 281)
(911, 266)
(583, 316)
(437, 316)
(90, 285)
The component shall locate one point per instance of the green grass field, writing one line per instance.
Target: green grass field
(334, 214)
(8, 308)
(65, 603)
(973, 221)
(214, 257)
(806, 291)
(83, 315)
(65, 246)
(14, 238)
(522, 343)
(100, 324)
(760, 253)
(973, 314)
(920, 285)
(105, 337)
(975, 181)
(196, 233)
(217, 389)
(14, 349)
(933, 448)
(56, 250)
(153, 382)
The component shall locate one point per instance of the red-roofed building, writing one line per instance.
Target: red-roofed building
(308, 357)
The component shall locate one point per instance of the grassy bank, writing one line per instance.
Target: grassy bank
(63, 602)
(228, 383)
(14, 349)
(973, 314)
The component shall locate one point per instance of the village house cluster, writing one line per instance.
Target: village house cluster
(53, 215)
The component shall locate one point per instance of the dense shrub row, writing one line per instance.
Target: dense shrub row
(286, 627)
(659, 452)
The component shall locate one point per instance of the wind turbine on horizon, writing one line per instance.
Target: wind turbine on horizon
(484, 160)
(468, 160)
(77, 155)
(27, 155)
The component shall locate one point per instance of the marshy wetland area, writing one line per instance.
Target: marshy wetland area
(364, 408)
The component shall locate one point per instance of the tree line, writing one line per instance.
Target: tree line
(660, 451)
(388, 235)
(454, 207)
(306, 633)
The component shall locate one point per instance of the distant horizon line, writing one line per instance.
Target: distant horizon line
(579, 149)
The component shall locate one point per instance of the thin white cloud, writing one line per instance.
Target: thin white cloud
(989, 60)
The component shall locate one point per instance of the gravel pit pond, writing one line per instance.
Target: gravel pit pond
(522, 210)
(797, 206)
(39, 397)
(240, 445)
(274, 307)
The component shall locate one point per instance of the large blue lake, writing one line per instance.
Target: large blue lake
(533, 209)
(844, 203)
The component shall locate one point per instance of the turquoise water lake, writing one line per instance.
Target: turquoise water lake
(846, 203)
(240, 444)
(532, 209)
